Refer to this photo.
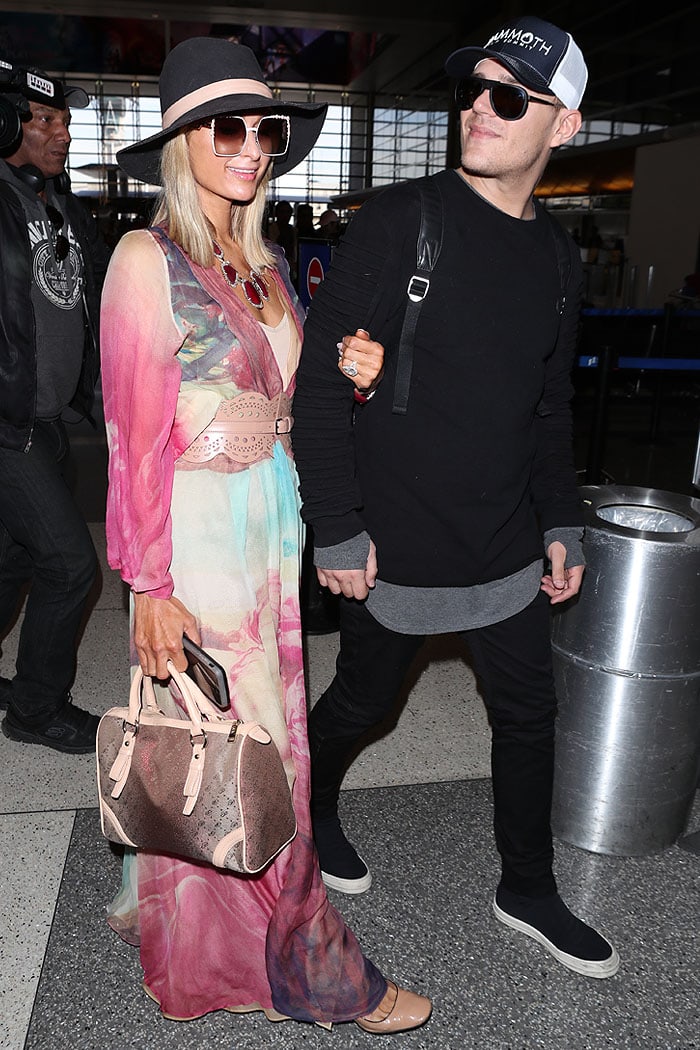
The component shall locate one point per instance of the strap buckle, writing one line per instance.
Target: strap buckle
(418, 288)
(283, 424)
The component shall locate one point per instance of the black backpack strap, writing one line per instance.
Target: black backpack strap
(428, 248)
(562, 246)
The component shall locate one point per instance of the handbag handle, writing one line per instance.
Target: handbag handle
(142, 694)
(198, 707)
(194, 697)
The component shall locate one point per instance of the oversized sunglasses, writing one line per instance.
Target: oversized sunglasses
(61, 244)
(508, 101)
(229, 135)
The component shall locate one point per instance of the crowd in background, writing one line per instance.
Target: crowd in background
(285, 223)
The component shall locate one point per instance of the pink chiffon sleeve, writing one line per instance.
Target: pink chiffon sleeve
(140, 382)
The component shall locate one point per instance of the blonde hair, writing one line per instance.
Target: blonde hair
(178, 207)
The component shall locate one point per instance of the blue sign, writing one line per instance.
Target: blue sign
(315, 256)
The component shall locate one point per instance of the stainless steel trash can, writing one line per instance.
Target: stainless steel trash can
(627, 671)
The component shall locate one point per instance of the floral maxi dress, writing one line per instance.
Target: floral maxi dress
(226, 540)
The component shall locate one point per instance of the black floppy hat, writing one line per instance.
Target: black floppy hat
(205, 76)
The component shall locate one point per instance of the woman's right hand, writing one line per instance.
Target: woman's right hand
(365, 359)
(159, 624)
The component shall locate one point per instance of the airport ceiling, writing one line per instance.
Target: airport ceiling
(644, 61)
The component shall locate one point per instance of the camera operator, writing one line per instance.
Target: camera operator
(52, 263)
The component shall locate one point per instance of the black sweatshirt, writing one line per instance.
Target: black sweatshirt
(460, 490)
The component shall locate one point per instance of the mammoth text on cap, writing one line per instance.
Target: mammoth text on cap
(520, 38)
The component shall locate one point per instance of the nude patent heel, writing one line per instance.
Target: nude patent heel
(399, 1011)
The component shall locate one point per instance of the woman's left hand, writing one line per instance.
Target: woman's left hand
(361, 360)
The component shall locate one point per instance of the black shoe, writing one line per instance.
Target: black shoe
(342, 868)
(70, 730)
(551, 924)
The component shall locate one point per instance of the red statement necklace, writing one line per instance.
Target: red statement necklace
(254, 287)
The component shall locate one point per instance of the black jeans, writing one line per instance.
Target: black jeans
(513, 663)
(45, 541)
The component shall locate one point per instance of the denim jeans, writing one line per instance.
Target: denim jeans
(513, 664)
(44, 541)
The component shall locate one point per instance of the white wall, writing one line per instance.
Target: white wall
(664, 218)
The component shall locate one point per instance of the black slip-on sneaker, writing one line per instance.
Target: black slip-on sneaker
(548, 921)
(342, 868)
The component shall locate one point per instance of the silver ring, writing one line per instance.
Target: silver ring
(350, 369)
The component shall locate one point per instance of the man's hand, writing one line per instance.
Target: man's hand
(159, 624)
(560, 583)
(353, 583)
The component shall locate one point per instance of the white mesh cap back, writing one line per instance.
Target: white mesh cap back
(571, 76)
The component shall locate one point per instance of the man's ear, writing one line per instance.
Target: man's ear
(568, 124)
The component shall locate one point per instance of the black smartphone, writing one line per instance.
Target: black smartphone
(207, 673)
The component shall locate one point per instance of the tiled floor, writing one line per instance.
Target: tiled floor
(418, 801)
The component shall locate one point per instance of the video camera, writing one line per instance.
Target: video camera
(20, 85)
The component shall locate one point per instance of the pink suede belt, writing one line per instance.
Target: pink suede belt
(244, 430)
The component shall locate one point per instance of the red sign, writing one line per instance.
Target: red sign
(314, 276)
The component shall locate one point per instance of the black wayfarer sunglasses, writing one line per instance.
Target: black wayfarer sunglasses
(508, 101)
(61, 244)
